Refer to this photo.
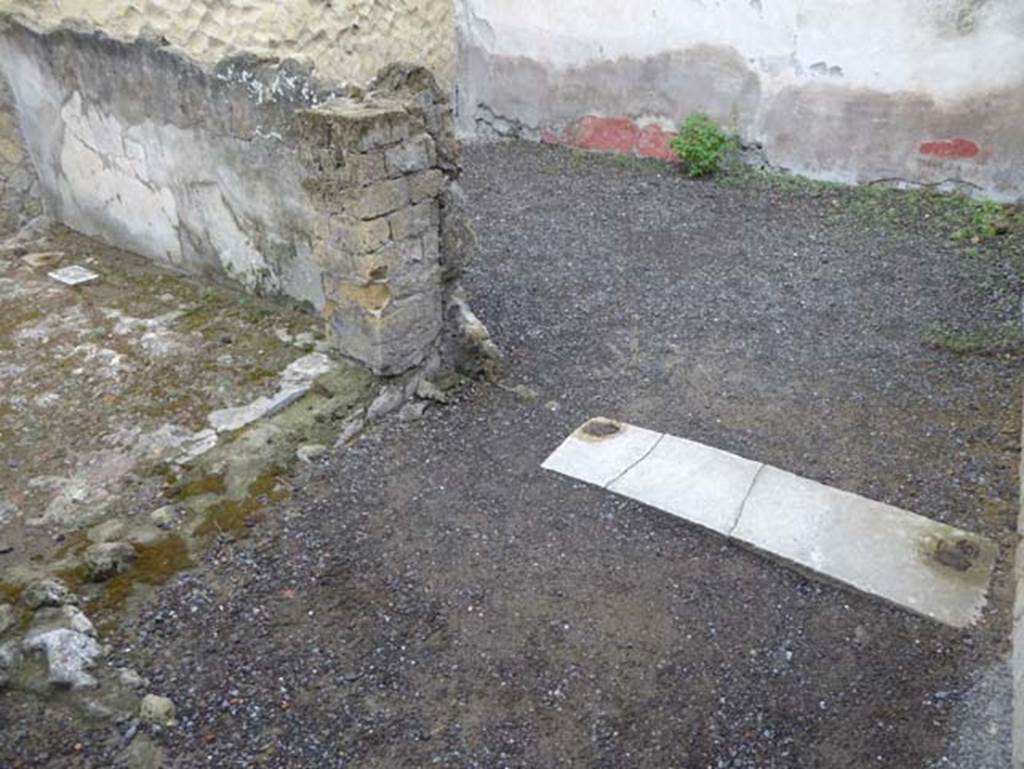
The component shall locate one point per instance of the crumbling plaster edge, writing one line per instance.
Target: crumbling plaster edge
(218, 68)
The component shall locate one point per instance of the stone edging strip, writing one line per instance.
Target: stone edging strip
(928, 567)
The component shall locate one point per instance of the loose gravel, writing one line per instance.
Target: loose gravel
(431, 597)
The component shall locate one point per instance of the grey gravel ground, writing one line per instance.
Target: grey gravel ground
(430, 597)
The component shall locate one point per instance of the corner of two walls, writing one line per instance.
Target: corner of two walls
(915, 93)
(20, 196)
(260, 173)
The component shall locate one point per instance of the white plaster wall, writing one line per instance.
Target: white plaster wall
(869, 80)
(940, 47)
(347, 40)
(187, 195)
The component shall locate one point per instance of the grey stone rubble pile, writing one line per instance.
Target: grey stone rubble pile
(66, 639)
(60, 631)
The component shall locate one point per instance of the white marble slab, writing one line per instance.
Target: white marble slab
(912, 561)
(919, 564)
(692, 481)
(600, 459)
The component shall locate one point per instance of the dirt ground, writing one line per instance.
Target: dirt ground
(430, 597)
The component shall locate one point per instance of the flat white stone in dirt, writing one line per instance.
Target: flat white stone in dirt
(107, 559)
(914, 562)
(165, 517)
(601, 450)
(74, 275)
(919, 564)
(284, 398)
(306, 369)
(296, 380)
(237, 417)
(692, 481)
(68, 655)
(310, 452)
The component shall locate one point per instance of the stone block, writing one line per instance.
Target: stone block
(376, 283)
(414, 221)
(357, 236)
(359, 169)
(390, 340)
(326, 192)
(431, 243)
(377, 199)
(357, 125)
(416, 154)
(428, 184)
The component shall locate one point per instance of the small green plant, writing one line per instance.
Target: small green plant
(702, 144)
(989, 341)
(986, 220)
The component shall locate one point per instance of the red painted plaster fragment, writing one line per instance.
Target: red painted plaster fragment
(610, 134)
(654, 143)
(950, 148)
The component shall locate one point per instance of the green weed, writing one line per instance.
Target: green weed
(702, 144)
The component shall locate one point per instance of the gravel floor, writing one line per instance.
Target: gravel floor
(430, 597)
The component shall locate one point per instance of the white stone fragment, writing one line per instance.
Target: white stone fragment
(157, 710)
(197, 445)
(73, 275)
(68, 655)
(310, 452)
(237, 417)
(305, 370)
(285, 397)
(296, 380)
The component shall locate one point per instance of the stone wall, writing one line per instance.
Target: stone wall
(19, 187)
(342, 200)
(390, 233)
(925, 91)
(346, 40)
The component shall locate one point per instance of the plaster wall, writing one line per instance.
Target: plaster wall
(195, 168)
(344, 200)
(346, 40)
(928, 91)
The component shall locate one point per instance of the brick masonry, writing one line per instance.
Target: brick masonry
(391, 234)
(19, 186)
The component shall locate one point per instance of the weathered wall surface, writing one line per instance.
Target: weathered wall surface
(19, 188)
(259, 173)
(196, 168)
(346, 40)
(850, 90)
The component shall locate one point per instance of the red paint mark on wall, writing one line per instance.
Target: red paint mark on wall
(612, 134)
(654, 143)
(615, 134)
(951, 148)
